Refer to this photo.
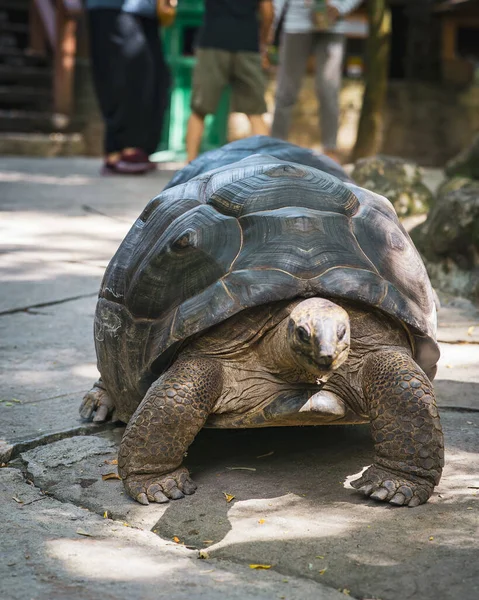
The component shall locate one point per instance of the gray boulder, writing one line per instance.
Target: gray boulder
(466, 163)
(449, 238)
(399, 180)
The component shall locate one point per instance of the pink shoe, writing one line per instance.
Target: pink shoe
(135, 163)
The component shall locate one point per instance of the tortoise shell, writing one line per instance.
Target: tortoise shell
(256, 231)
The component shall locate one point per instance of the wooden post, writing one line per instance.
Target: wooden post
(64, 62)
(37, 40)
(369, 136)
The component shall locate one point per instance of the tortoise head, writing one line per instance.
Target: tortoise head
(319, 335)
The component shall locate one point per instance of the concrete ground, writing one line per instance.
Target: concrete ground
(68, 533)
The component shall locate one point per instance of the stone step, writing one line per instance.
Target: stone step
(25, 74)
(41, 144)
(14, 5)
(14, 56)
(18, 96)
(8, 27)
(23, 121)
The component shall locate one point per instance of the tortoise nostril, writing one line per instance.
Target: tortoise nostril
(325, 360)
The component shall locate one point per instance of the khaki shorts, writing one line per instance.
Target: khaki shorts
(215, 69)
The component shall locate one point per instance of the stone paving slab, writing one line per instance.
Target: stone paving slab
(54, 550)
(294, 508)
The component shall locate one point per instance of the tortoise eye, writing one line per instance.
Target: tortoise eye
(341, 331)
(303, 334)
(186, 240)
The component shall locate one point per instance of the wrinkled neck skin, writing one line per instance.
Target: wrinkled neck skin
(278, 358)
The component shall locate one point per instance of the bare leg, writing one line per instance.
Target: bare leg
(406, 430)
(173, 411)
(258, 126)
(194, 133)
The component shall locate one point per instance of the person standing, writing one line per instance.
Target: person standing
(131, 80)
(231, 49)
(311, 27)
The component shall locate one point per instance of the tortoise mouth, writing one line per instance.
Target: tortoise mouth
(323, 366)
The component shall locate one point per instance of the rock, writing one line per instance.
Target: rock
(42, 461)
(449, 238)
(466, 163)
(400, 181)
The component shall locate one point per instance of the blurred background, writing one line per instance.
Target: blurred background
(48, 107)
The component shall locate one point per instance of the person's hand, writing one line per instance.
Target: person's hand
(333, 13)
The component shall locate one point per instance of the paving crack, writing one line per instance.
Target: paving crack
(92, 210)
(10, 451)
(12, 311)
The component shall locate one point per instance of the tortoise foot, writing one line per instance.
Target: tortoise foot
(387, 486)
(160, 488)
(97, 402)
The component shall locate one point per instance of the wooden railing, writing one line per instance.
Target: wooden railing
(53, 25)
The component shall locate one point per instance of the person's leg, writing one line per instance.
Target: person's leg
(329, 50)
(107, 76)
(294, 51)
(258, 126)
(210, 77)
(134, 119)
(194, 133)
(248, 84)
(160, 75)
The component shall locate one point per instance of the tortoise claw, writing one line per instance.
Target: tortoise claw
(384, 486)
(96, 402)
(160, 488)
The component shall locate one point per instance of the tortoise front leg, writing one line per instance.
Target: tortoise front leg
(406, 430)
(170, 415)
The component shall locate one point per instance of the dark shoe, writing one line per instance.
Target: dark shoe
(108, 169)
(135, 163)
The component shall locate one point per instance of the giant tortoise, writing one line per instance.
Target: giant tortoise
(267, 292)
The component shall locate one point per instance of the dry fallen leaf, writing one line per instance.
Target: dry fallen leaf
(176, 540)
(113, 461)
(110, 476)
(470, 331)
(260, 566)
(203, 554)
(431, 537)
(228, 497)
(85, 533)
(207, 541)
(105, 514)
(265, 455)
(241, 469)
(323, 571)
(17, 500)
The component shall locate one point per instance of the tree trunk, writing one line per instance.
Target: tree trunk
(369, 137)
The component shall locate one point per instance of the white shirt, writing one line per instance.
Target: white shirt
(299, 15)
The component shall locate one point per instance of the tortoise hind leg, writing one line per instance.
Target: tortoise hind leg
(162, 428)
(406, 430)
(97, 401)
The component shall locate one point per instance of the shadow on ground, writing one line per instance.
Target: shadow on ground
(294, 512)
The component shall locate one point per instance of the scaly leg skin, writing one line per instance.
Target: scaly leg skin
(97, 401)
(170, 415)
(406, 431)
